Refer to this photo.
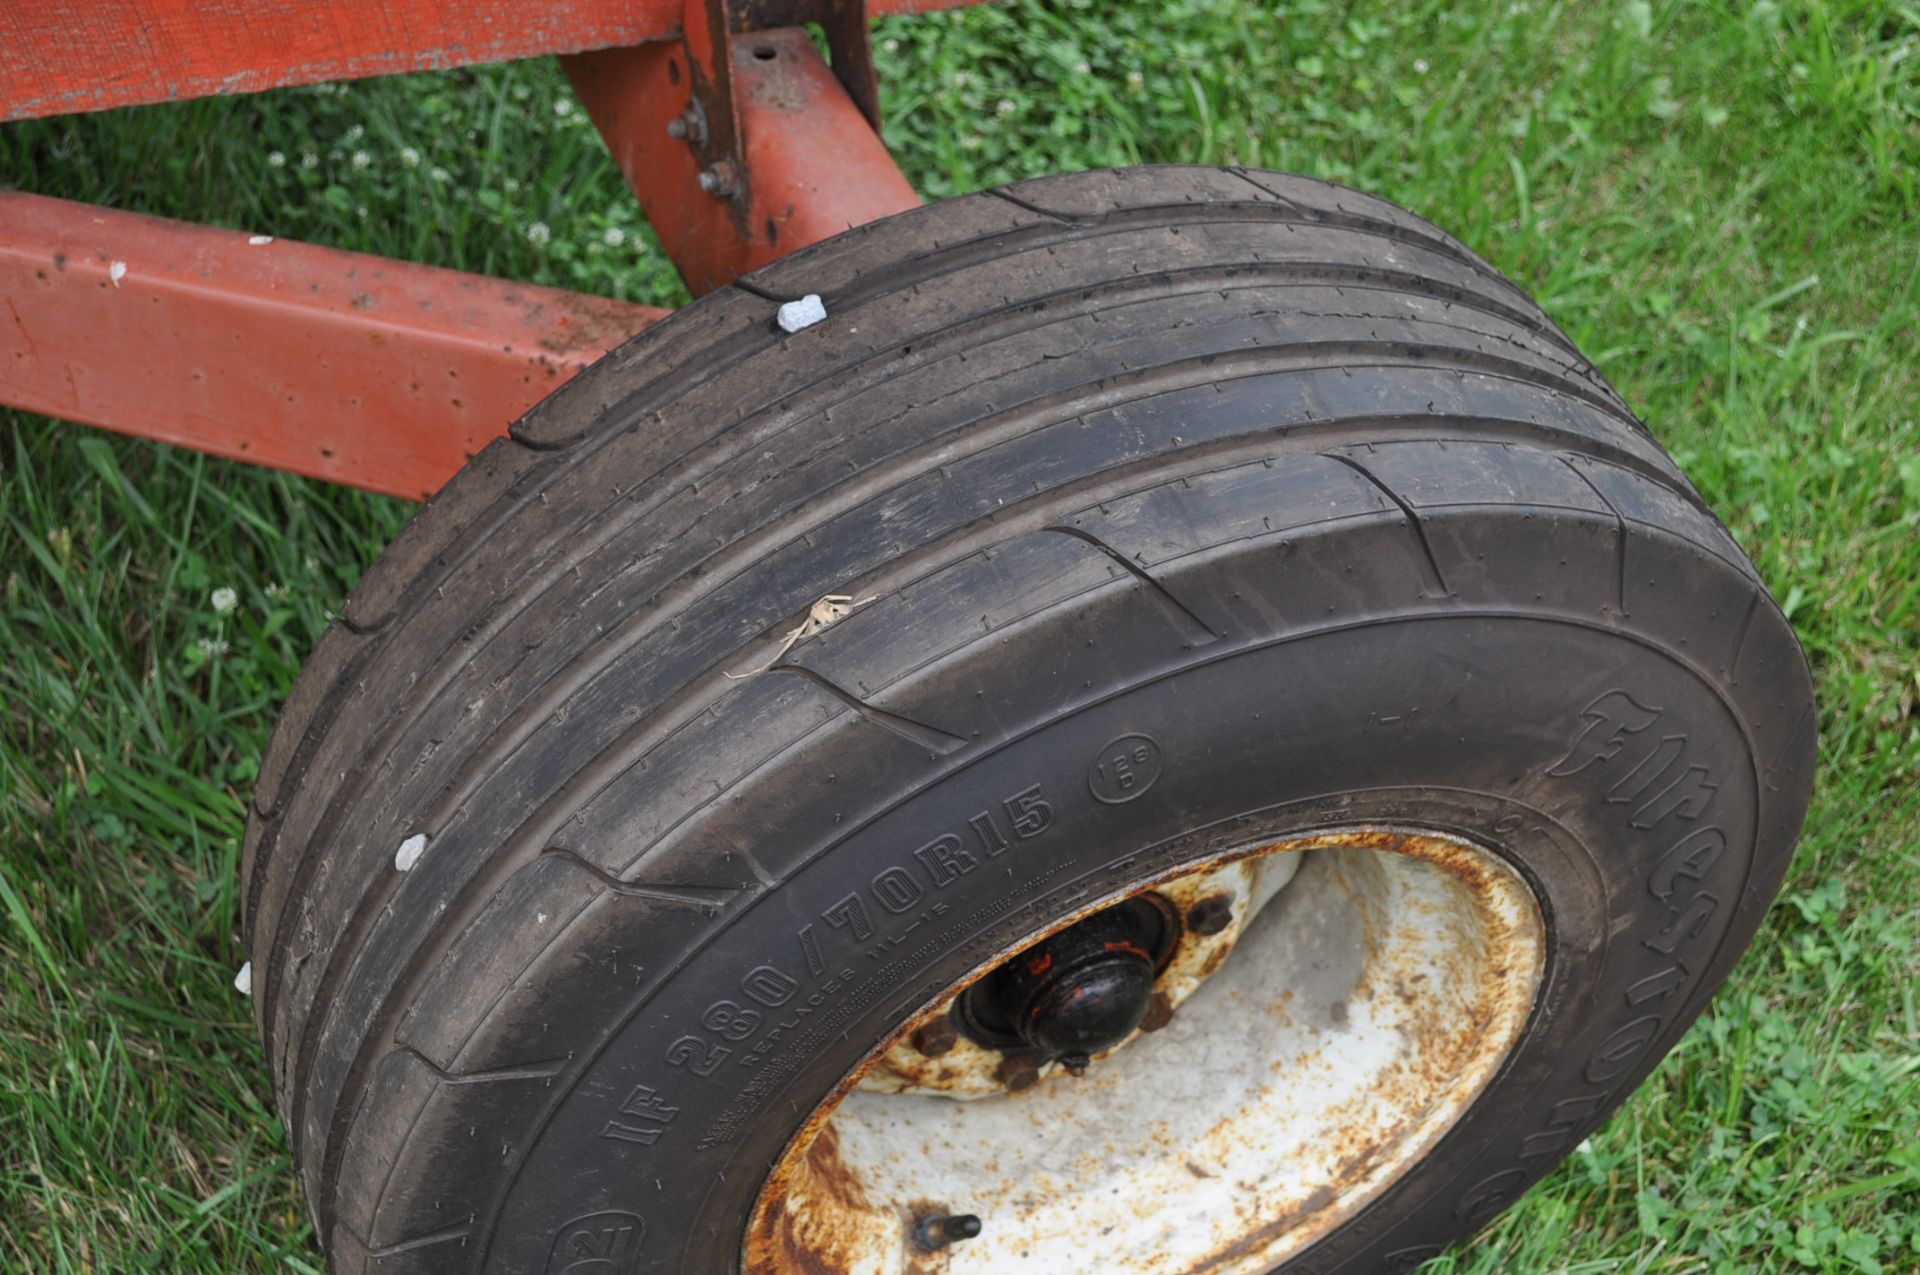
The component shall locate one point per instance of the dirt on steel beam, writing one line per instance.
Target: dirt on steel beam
(358, 369)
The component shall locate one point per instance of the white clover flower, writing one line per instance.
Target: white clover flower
(309, 160)
(1136, 81)
(276, 159)
(225, 600)
(891, 46)
(538, 235)
(275, 591)
(441, 175)
(361, 159)
(212, 648)
(1006, 107)
(410, 157)
(563, 107)
(1083, 67)
(511, 184)
(614, 236)
(355, 133)
(1420, 65)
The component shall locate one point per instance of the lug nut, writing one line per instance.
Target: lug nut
(1159, 1013)
(1018, 1071)
(936, 1038)
(935, 1233)
(1211, 914)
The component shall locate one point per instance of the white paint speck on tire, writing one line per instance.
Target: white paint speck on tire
(796, 316)
(409, 852)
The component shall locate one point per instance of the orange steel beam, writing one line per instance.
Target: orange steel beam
(58, 57)
(813, 164)
(376, 373)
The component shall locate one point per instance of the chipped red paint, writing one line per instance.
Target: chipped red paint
(815, 167)
(375, 373)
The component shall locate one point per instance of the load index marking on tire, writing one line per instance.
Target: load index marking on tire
(898, 894)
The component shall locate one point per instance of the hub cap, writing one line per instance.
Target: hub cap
(1076, 993)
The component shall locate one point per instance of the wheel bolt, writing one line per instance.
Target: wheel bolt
(1211, 914)
(936, 1233)
(689, 126)
(720, 181)
(1159, 1013)
(936, 1038)
(1019, 1071)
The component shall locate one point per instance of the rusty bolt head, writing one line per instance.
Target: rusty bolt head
(1211, 914)
(1159, 1013)
(1019, 1071)
(935, 1233)
(936, 1038)
(690, 125)
(720, 181)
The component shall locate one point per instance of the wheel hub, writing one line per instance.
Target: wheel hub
(1332, 1032)
(972, 1047)
(1076, 993)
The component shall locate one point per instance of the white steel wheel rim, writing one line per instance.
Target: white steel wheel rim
(1359, 1016)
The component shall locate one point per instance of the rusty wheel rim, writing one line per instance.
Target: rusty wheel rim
(1299, 1059)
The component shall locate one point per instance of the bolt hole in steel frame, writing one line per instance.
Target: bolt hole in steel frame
(741, 142)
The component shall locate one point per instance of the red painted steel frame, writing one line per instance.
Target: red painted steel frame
(62, 56)
(379, 374)
(815, 167)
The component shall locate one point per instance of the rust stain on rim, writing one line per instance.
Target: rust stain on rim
(1368, 1060)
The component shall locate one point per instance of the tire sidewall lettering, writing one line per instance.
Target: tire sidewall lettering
(1049, 850)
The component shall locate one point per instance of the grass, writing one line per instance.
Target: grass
(1719, 201)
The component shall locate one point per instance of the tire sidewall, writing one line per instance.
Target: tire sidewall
(1610, 773)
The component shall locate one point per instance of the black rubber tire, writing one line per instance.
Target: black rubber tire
(1269, 469)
